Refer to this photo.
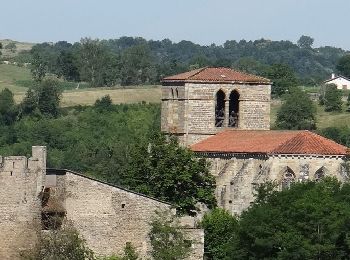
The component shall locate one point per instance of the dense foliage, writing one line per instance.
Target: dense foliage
(343, 66)
(297, 112)
(332, 99)
(339, 134)
(120, 144)
(167, 171)
(311, 220)
(130, 61)
(220, 229)
(61, 244)
(167, 239)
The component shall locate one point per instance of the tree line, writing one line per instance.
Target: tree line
(134, 61)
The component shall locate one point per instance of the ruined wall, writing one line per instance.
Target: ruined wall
(21, 182)
(237, 175)
(191, 113)
(108, 217)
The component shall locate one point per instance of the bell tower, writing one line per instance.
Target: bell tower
(203, 102)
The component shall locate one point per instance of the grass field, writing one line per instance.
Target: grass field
(323, 119)
(10, 74)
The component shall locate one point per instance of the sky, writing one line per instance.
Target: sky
(200, 21)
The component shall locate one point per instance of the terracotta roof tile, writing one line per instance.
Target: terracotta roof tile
(216, 75)
(269, 142)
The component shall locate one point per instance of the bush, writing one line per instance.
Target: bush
(64, 244)
(168, 241)
(297, 112)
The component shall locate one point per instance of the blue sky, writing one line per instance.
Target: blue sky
(200, 21)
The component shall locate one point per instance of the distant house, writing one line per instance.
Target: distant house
(341, 81)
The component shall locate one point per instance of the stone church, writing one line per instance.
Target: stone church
(224, 116)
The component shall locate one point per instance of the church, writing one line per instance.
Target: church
(224, 115)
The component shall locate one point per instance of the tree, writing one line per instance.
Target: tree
(97, 65)
(49, 96)
(308, 221)
(137, 66)
(61, 244)
(8, 109)
(38, 67)
(305, 42)
(220, 232)
(343, 66)
(11, 46)
(105, 103)
(29, 102)
(297, 111)
(168, 240)
(332, 98)
(172, 173)
(283, 79)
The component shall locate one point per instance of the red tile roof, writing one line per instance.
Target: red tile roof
(269, 142)
(216, 75)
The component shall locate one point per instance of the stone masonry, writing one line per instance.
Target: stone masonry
(106, 216)
(188, 108)
(20, 206)
(238, 174)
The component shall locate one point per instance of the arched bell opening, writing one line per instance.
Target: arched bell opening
(233, 109)
(220, 109)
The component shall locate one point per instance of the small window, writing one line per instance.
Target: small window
(177, 93)
(123, 205)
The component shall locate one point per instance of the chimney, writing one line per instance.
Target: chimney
(333, 75)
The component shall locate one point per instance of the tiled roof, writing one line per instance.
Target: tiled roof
(216, 75)
(269, 142)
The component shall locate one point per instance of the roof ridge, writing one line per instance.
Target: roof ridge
(287, 140)
(199, 70)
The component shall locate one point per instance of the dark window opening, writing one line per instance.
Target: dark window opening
(220, 109)
(123, 205)
(319, 174)
(177, 93)
(230, 201)
(172, 93)
(233, 109)
(288, 178)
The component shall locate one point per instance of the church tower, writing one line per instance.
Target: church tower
(200, 103)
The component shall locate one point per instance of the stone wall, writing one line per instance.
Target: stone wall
(237, 175)
(21, 182)
(108, 217)
(191, 113)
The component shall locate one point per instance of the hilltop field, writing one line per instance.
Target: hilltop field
(14, 77)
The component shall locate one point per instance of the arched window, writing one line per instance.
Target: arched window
(177, 93)
(319, 174)
(220, 109)
(288, 178)
(172, 93)
(233, 109)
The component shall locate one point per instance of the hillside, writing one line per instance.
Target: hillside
(20, 46)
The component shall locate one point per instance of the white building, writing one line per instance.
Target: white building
(341, 82)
